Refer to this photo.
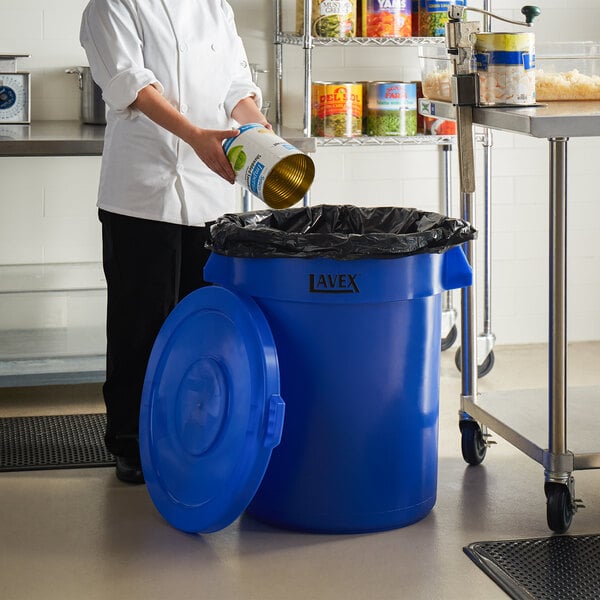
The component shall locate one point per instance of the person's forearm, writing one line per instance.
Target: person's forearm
(246, 111)
(155, 106)
(207, 143)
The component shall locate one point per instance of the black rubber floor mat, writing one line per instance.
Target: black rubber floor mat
(53, 442)
(562, 567)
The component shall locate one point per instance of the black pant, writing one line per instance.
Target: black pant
(149, 267)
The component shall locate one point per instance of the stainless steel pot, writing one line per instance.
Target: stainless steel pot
(93, 109)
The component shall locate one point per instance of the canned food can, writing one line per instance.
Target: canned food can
(337, 109)
(506, 68)
(329, 18)
(387, 18)
(435, 126)
(269, 167)
(433, 16)
(391, 108)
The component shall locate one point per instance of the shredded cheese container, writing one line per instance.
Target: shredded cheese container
(269, 167)
(567, 71)
(506, 68)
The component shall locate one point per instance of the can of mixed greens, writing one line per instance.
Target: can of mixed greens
(506, 68)
(391, 108)
(387, 18)
(337, 109)
(329, 18)
(433, 16)
(269, 167)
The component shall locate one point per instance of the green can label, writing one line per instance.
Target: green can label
(392, 109)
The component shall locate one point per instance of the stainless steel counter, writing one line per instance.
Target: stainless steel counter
(72, 138)
(40, 357)
(557, 122)
(51, 138)
(552, 120)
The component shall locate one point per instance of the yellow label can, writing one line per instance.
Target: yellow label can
(506, 68)
(337, 109)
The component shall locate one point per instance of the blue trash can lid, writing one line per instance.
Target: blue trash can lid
(211, 411)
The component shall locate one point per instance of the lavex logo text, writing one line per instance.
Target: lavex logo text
(326, 283)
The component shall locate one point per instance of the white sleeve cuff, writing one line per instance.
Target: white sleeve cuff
(122, 90)
(238, 92)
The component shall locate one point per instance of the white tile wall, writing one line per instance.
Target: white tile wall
(48, 214)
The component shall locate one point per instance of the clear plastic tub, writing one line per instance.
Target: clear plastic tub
(567, 71)
(436, 72)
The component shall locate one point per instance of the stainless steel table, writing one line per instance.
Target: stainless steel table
(50, 356)
(51, 138)
(55, 356)
(557, 122)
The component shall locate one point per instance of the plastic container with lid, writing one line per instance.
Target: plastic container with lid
(567, 71)
(436, 72)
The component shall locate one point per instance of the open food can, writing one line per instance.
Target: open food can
(268, 166)
(506, 68)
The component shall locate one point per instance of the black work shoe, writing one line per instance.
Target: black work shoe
(129, 469)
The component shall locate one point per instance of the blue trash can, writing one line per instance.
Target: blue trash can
(353, 349)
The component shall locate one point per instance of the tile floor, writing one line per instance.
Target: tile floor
(83, 535)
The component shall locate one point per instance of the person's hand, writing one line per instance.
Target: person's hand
(208, 145)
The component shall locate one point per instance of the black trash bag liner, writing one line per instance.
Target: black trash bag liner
(341, 232)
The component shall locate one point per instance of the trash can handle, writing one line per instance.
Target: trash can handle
(275, 423)
(456, 271)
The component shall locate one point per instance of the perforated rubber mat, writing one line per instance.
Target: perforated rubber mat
(556, 568)
(53, 442)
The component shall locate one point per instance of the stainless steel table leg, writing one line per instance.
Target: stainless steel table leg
(464, 123)
(487, 194)
(449, 314)
(246, 201)
(557, 335)
(558, 461)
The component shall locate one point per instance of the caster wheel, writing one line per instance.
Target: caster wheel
(559, 507)
(483, 369)
(449, 340)
(472, 444)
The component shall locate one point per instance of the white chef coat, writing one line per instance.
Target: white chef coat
(191, 52)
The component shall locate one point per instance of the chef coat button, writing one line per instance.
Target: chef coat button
(212, 47)
(184, 108)
(183, 47)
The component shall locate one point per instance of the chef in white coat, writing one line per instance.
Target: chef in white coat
(175, 77)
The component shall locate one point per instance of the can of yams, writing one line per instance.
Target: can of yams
(268, 166)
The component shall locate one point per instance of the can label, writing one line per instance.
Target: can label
(392, 109)
(337, 109)
(506, 68)
(329, 18)
(254, 153)
(387, 18)
(433, 16)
